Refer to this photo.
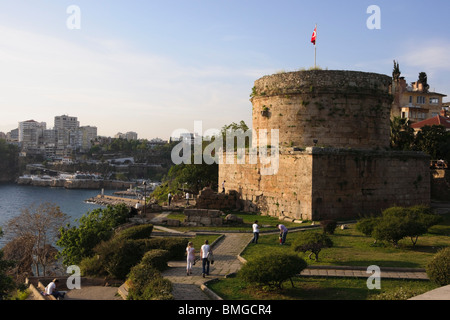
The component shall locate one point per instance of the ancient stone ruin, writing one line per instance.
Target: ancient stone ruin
(208, 199)
(334, 155)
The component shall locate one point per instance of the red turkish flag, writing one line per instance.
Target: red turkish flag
(314, 35)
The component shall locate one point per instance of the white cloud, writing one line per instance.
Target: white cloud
(108, 84)
(430, 56)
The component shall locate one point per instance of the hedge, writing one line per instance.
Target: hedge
(143, 231)
(438, 269)
(272, 269)
(146, 283)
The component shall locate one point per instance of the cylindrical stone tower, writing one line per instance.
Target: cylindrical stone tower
(339, 109)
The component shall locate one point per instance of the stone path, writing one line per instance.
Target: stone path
(226, 261)
(361, 272)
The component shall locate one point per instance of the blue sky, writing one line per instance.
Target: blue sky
(156, 66)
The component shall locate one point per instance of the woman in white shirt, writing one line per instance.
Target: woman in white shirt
(190, 252)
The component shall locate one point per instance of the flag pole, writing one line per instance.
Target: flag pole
(315, 49)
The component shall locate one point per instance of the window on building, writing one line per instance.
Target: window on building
(410, 99)
(421, 100)
(434, 100)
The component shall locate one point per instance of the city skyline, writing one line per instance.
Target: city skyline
(152, 67)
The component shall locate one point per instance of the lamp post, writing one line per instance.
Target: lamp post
(145, 195)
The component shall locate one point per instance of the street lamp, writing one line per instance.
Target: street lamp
(145, 195)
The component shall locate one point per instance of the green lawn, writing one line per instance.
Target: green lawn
(351, 248)
(308, 288)
(354, 249)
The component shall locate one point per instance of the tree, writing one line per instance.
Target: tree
(20, 250)
(39, 224)
(272, 269)
(397, 223)
(423, 79)
(194, 177)
(6, 282)
(9, 161)
(435, 141)
(312, 241)
(396, 72)
(78, 242)
(402, 135)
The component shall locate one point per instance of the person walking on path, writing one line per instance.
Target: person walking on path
(205, 250)
(169, 196)
(190, 253)
(223, 186)
(255, 228)
(283, 233)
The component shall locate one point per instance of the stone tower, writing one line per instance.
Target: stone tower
(339, 109)
(334, 157)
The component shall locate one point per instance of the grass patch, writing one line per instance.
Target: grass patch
(309, 288)
(351, 248)
(199, 240)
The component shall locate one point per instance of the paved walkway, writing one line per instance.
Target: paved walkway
(226, 261)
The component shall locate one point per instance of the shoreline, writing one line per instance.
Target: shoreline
(74, 183)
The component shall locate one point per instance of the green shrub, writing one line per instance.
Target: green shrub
(397, 223)
(366, 226)
(118, 256)
(328, 226)
(438, 269)
(312, 241)
(92, 266)
(156, 258)
(272, 269)
(146, 283)
(78, 242)
(175, 246)
(143, 231)
(391, 229)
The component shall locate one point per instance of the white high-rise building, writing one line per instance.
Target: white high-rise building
(66, 122)
(30, 132)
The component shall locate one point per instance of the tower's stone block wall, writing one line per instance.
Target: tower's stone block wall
(350, 171)
(339, 109)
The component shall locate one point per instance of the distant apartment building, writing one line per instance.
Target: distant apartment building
(66, 122)
(30, 134)
(13, 136)
(128, 136)
(66, 137)
(414, 102)
(86, 136)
